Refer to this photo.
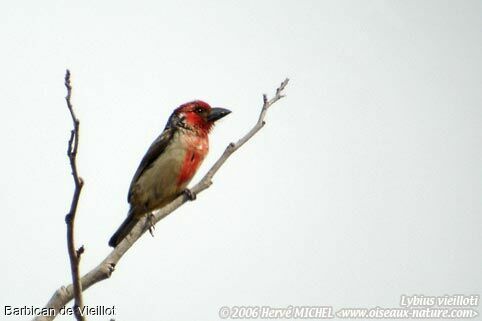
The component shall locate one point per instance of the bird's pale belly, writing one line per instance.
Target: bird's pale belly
(168, 176)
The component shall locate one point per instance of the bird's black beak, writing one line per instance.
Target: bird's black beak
(217, 113)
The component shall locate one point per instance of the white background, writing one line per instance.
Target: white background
(365, 184)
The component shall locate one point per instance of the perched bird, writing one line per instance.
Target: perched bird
(170, 162)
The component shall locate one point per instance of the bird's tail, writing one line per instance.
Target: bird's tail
(123, 229)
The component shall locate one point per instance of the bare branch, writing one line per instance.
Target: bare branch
(104, 270)
(74, 254)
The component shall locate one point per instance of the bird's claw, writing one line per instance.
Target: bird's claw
(150, 221)
(189, 194)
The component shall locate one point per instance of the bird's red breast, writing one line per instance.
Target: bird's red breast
(197, 147)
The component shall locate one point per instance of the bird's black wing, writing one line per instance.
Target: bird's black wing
(156, 149)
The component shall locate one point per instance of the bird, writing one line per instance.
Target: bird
(170, 162)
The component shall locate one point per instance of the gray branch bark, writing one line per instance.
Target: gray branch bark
(74, 254)
(104, 270)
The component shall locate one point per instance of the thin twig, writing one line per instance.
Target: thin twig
(74, 254)
(104, 270)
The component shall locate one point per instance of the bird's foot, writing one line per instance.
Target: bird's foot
(189, 194)
(150, 221)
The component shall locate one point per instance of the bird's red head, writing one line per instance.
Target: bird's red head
(198, 115)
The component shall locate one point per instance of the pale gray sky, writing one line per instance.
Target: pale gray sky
(365, 184)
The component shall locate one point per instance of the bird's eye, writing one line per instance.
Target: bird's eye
(199, 110)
